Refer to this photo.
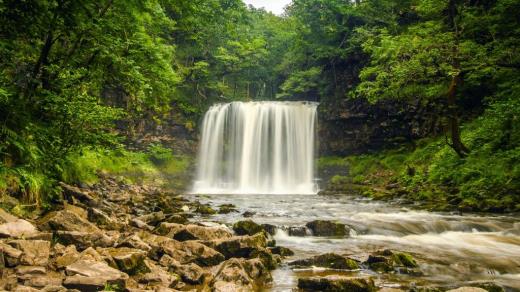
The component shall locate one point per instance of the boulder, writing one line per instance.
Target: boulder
(84, 240)
(89, 275)
(282, 251)
(227, 208)
(9, 256)
(192, 232)
(41, 281)
(248, 214)
(184, 252)
(6, 217)
(240, 275)
(134, 241)
(269, 228)
(34, 252)
(140, 224)
(152, 218)
(103, 220)
(67, 256)
(18, 228)
(326, 228)
(247, 227)
(205, 210)
(337, 283)
(328, 260)
(157, 277)
(22, 288)
(297, 231)
(387, 261)
(66, 220)
(76, 193)
(239, 246)
(129, 260)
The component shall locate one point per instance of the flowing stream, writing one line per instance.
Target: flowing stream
(451, 249)
(257, 148)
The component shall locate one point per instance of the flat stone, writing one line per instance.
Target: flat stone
(43, 281)
(129, 260)
(10, 255)
(84, 240)
(134, 241)
(17, 229)
(85, 284)
(67, 220)
(6, 217)
(93, 269)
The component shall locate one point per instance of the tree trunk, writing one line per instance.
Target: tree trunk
(456, 81)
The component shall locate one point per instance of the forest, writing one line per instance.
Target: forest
(112, 91)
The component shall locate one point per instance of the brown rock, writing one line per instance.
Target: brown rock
(84, 240)
(17, 229)
(239, 246)
(192, 232)
(467, 289)
(67, 220)
(129, 260)
(9, 255)
(337, 283)
(34, 252)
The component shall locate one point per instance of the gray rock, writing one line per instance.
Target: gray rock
(327, 228)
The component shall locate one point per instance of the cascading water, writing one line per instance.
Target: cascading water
(258, 148)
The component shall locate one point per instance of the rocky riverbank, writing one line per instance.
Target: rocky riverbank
(119, 237)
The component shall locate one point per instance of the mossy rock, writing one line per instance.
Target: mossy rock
(247, 227)
(328, 260)
(205, 210)
(227, 208)
(327, 228)
(405, 260)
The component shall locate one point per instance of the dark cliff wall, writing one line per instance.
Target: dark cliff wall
(356, 126)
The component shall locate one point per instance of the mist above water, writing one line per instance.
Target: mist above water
(257, 148)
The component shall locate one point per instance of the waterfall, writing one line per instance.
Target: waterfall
(257, 148)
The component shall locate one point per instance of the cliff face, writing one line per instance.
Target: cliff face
(356, 126)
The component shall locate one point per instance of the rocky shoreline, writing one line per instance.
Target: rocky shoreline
(119, 237)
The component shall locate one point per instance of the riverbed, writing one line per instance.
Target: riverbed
(452, 249)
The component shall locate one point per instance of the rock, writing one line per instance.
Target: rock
(328, 260)
(157, 277)
(134, 241)
(239, 246)
(67, 256)
(192, 232)
(6, 217)
(9, 255)
(152, 218)
(227, 208)
(240, 275)
(140, 224)
(297, 231)
(129, 260)
(205, 210)
(387, 261)
(269, 228)
(88, 275)
(43, 281)
(75, 192)
(176, 218)
(280, 250)
(326, 228)
(34, 252)
(18, 228)
(467, 289)
(103, 220)
(184, 252)
(247, 227)
(336, 283)
(248, 214)
(22, 288)
(190, 273)
(84, 240)
(185, 209)
(66, 220)
(386, 289)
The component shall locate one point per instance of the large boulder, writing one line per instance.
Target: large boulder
(337, 283)
(247, 227)
(326, 228)
(184, 252)
(328, 260)
(182, 232)
(34, 252)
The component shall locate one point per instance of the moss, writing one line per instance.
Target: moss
(404, 259)
(205, 210)
(247, 227)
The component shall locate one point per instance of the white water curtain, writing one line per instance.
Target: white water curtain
(257, 148)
